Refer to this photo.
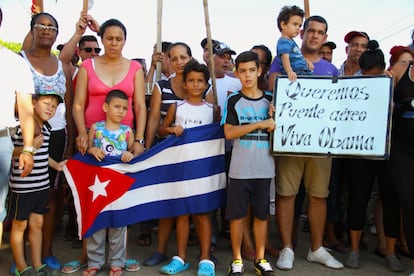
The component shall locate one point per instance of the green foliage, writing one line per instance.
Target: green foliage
(14, 46)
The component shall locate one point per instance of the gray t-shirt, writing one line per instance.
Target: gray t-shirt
(251, 157)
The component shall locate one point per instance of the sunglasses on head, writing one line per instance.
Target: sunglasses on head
(89, 50)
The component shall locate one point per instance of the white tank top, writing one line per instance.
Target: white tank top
(56, 82)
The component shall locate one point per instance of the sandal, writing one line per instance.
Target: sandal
(176, 265)
(72, 266)
(206, 268)
(132, 265)
(144, 239)
(90, 271)
(115, 271)
(155, 259)
(28, 271)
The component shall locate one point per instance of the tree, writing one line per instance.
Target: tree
(14, 46)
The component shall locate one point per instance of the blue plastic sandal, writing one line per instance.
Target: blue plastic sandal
(72, 266)
(155, 259)
(206, 268)
(132, 265)
(176, 265)
(52, 262)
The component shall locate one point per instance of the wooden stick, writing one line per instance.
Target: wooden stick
(307, 10)
(85, 6)
(159, 45)
(210, 49)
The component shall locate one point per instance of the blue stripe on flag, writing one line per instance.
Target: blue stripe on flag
(159, 209)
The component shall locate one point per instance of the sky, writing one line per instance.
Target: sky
(239, 23)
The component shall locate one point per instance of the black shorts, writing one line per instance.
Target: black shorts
(21, 205)
(57, 145)
(241, 192)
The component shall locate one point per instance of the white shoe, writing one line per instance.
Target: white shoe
(286, 259)
(322, 256)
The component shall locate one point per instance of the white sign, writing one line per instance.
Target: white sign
(344, 116)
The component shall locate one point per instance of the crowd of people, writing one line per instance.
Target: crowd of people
(87, 97)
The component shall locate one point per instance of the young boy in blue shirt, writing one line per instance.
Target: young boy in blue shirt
(247, 120)
(292, 61)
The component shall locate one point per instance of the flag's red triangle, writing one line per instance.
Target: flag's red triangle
(84, 176)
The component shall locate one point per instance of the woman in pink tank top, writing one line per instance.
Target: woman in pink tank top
(98, 76)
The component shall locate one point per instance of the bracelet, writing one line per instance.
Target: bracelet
(30, 150)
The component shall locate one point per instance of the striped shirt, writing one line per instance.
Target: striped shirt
(38, 179)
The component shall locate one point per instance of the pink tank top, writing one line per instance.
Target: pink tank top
(97, 91)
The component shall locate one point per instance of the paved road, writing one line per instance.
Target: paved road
(370, 263)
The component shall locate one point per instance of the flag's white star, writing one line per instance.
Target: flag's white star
(98, 188)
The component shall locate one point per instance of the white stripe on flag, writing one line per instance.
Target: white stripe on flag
(174, 155)
(76, 201)
(169, 190)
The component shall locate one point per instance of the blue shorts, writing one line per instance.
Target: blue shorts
(21, 205)
(241, 192)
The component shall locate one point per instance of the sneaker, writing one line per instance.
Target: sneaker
(393, 263)
(353, 260)
(236, 268)
(286, 259)
(322, 256)
(263, 267)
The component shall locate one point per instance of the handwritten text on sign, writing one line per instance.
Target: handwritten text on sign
(316, 116)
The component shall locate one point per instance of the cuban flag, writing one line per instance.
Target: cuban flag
(181, 175)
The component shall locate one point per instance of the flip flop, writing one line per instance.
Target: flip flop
(115, 271)
(73, 266)
(93, 270)
(176, 265)
(132, 265)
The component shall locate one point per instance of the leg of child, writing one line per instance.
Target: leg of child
(260, 236)
(183, 230)
(236, 236)
(164, 230)
(35, 239)
(247, 243)
(117, 247)
(95, 246)
(204, 230)
(17, 243)
(49, 226)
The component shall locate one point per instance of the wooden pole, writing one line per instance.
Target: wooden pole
(159, 45)
(85, 6)
(307, 10)
(210, 49)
